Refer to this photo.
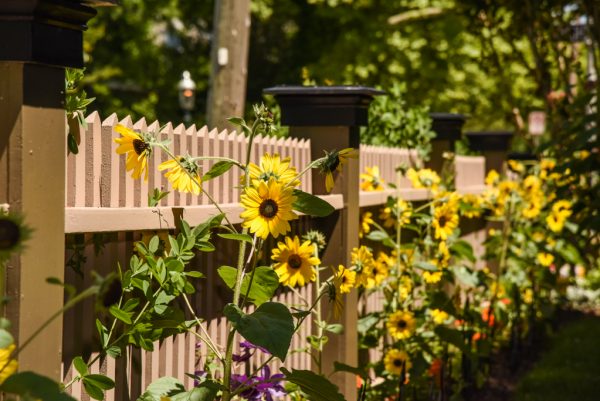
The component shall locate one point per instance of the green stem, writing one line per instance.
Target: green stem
(207, 340)
(319, 316)
(93, 290)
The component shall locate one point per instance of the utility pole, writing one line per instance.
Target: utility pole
(229, 62)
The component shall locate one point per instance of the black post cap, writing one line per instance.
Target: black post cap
(489, 140)
(447, 126)
(46, 31)
(304, 106)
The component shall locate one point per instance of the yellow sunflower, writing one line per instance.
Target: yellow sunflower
(375, 273)
(516, 166)
(438, 316)
(470, 206)
(555, 222)
(401, 325)
(268, 209)
(273, 167)
(443, 255)
(10, 365)
(333, 162)
(400, 212)
(545, 259)
(371, 179)
(405, 286)
(395, 361)
(361, 257)
(562, 208)
(344, 280)
(445, 221)
(365, 224)
(424, 178)
(295, 262)
(183, 174)
(137, 148)
(492, 178)
(531, 209)
(432, 277)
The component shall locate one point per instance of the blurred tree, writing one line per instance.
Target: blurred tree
(136, 53)
(494, 61)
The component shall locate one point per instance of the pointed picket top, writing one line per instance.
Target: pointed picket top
(180, 129)
(295, 141)
(191, 130)
(154, 126)
(111, 120)
(168, 128)
(127, 122)
(93, 118)
(240, 137)
(212, 134)
(141, 124)
(223, 134)
(232, 136)
(203, 131)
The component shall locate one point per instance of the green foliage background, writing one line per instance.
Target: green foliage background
(487, 59)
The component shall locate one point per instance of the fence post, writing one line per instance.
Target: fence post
(331, 118)
(493, 145)
(44, 37)
(448, 130)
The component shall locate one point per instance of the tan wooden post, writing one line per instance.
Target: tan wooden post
(331, 118)
(32, 161)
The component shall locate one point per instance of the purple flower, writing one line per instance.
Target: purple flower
(264, 387)
(248, 350)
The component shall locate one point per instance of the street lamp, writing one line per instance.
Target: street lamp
(187, 95)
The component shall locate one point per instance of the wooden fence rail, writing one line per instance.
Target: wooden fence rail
(107, 211)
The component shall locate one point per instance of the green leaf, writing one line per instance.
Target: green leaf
(270, 326)
(34, 386)
(165, 386)
(264, 283)
(466, 276)
(463, 249)
(80, 366)
(205, 391)
(342, 367)
(452, 336)
(237, 237)
(311, 205)
(156, 196)
(377, 235)
(114, 351)
(316, 387)
(570, 254)
(123, 316)
(334, 328)
(153, 244)
(219, 168)
(6, 338)
(92, 390)
(100, 381)
(72, 143)
(426, 266)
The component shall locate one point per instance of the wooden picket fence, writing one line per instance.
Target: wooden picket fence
(107, 211)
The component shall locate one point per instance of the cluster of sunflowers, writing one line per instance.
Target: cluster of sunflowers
(270, 199)
(445, 308)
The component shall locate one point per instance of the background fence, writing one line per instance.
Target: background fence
(107, 211)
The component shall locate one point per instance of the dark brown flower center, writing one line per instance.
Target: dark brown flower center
(9, 234)
(398, 363)
(335, 164)
(294, 261)
(268, 208)
(139, 146)
(442, 221)
(401, 324)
